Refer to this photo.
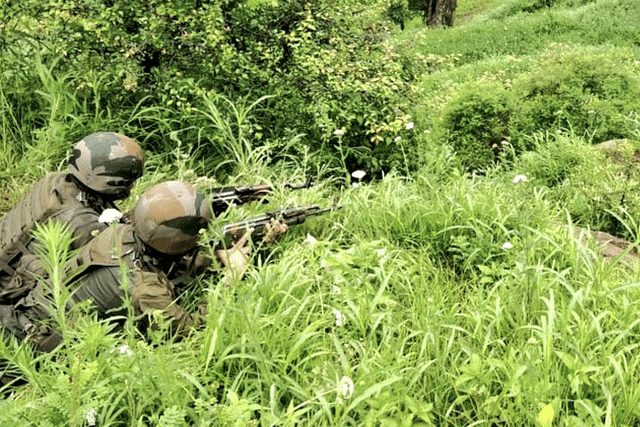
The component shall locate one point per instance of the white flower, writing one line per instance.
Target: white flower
(359, 174)
(110, 215)
(91, 417)
(339, 317)
(345, 387)
(335, 290)
(519, 178)
(355, 184)
(338, 132)
(310, 239)
(124, 349)
(409, 125)
(396, 139)
(559, 131)
(507, 245)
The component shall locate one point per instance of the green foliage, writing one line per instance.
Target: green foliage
(398, 12)
(476, 123)
(597, 23)
(583, 91)
(587, 92)
(325, 64)
(596, 186)
(435, 297)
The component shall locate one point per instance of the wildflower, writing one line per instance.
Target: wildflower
(359, 174)
(339, 317)
(396, 139)
(338, 132)
(345, 387)
(518, 178)
(507, 245)
(559, 131)
(110, 215)
(591, 112)
(409, 125)
(124, 349)
(335, 290)
(91, 417)
(310, 239)
(546, 416)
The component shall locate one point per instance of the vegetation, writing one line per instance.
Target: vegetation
(458, 285)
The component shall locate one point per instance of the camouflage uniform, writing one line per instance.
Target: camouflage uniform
(102, 169)
(165, 225)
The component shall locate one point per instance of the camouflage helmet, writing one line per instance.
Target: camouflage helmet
(107, 162)
(168, 217)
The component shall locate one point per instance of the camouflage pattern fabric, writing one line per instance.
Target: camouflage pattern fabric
(98, 277)
(169, 216)
(149, 289)
(107, 162)
(56, 196)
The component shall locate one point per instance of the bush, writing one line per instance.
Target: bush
(588, 92)
(325, 63)
(476, 122)
(582, 91)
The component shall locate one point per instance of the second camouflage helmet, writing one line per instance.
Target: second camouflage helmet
(169, 216)
(107, 162)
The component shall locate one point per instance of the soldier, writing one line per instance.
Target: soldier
(165, 226)
(102, 169)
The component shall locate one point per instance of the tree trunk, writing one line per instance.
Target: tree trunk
(440, 12)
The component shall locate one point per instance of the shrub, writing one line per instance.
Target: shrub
(325, 63)
(476, 121)
(588, 92)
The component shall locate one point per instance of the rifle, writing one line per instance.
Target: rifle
(224, 197)
(231, 233)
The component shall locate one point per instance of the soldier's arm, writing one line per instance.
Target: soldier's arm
(153, 293)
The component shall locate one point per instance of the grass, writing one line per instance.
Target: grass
(446, 298)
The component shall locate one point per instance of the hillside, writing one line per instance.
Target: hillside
(463, 281)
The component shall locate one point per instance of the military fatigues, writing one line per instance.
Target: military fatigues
(148, 287)
(102, 168)
(98, 269)
(56, 197)
(165, 226)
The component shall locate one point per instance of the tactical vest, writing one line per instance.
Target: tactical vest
(99, 270)
(97, 276)
(53, 197)
(45, 199)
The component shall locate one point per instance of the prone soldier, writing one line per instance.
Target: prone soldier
(165, 226)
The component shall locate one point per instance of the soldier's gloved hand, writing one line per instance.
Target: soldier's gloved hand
(110, 215)
(275, 230)
(235, 259)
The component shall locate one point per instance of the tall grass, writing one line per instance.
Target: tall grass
(440, 299)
